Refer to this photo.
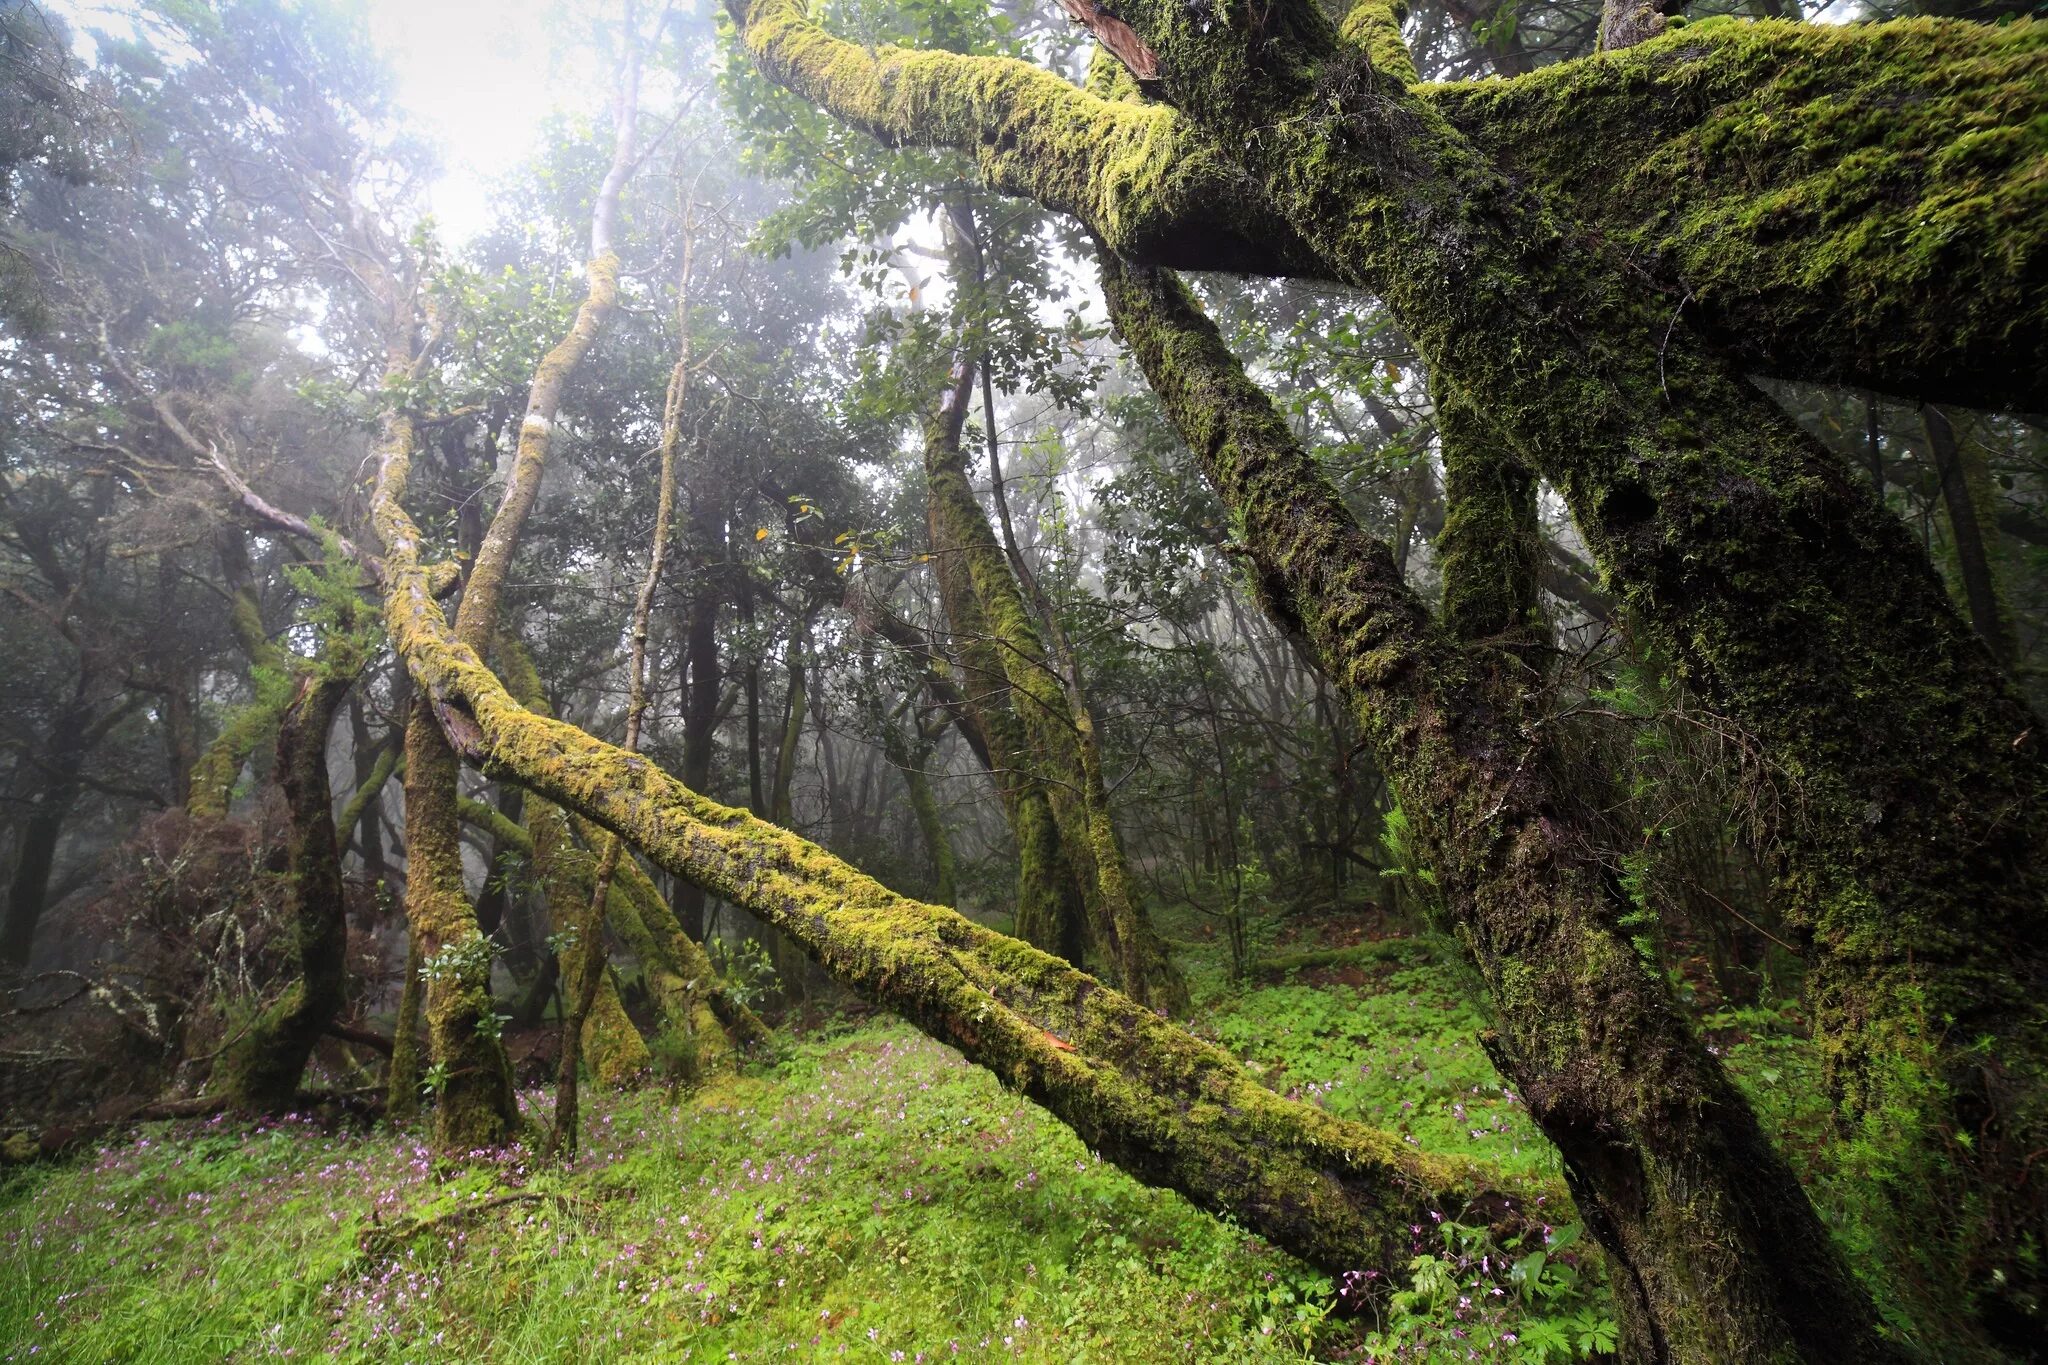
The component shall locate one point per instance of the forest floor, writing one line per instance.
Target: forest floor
(866, 1196)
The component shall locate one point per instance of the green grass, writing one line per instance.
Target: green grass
(1399, 1051)
(871, 1194)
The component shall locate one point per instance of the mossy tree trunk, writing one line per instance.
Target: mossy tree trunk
(1036, 719)
(1912, 846)
(1913, 852)
(469, 1066)
(1663, 1153)
(260, 1072)
(469, 1073)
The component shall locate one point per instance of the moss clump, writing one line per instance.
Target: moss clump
(1859, 204)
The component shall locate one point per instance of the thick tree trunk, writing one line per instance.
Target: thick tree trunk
(260, 1073)
(470, 1075)
(1914, 855)
(1662, 1152)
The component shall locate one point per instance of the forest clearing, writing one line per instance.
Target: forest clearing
(910, 680)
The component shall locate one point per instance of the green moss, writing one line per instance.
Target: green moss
(1866, 204)
(1166, 1106)
(1047, 729)
(1375, 26)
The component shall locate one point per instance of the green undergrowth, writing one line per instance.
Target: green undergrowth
(1399, 1050)
(870, 1197)
(873, 1197)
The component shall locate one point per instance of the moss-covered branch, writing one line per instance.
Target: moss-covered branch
(1863, 204)
(1139, 176)
(1164, 1105)
(1857, 203)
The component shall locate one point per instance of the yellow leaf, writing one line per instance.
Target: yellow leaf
(761, 533)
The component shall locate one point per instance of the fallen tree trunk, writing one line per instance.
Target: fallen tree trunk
(1167, 1107)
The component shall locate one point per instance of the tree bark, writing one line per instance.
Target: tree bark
(260, 1073)
(1663, 1154)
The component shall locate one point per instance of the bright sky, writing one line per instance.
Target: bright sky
(479, 77)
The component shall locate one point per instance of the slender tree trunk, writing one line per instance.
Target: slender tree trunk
(924, 805)
(795, 712)
(1965, 492)
(364, 818)
(1052, 732)
(591, 951)
(28, 890)
(181, 736)
(700, 706)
